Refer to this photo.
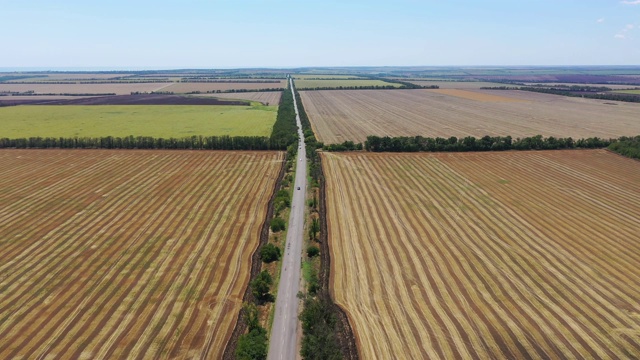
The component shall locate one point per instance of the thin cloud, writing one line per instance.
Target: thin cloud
(622, 34)
(631, 2)
(600, 21)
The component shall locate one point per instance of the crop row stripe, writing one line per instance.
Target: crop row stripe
(237, 248)
(522, 278)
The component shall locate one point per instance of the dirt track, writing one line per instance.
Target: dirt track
(510, 255)
(126, 254)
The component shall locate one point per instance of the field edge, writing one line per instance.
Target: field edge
(256, 262)
(347, 339)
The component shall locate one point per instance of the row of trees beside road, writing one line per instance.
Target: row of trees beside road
(254, 343)
(486, 143)
(319, 319)
(148, 142)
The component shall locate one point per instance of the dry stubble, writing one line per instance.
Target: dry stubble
(487, 255)
(127, 254)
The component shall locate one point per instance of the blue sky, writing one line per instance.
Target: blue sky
(288, 33)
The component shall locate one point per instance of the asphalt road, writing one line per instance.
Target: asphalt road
(283, 340)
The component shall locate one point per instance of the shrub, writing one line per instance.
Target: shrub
(277, 224)
(270, 253)
(319, 328)
(261, 285)
(313, 251)
(253, 345)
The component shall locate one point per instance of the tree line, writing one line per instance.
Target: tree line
(285, 128)
(231, 81)
(327, 78)
(362, 87)
(573, 88)
(147, 142)
(86, 82)
(486, 143)
(345, 146)
(233, 91)
(405, 84)
(627, 146)
(33, 93)
(6, 78)
(311, 144)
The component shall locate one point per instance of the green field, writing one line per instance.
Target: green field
(137, 120)
(634, 92)
(310, 84)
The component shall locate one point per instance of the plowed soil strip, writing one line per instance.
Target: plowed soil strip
(487, 255)
(127, 254)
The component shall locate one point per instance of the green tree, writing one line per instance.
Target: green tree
(277, 224)
(282, 200)
(314, 229)
(253, 345)
(261, 285)
(319, 327)
(252, 314)
(313, 251)
(270, 253)
(313, 203)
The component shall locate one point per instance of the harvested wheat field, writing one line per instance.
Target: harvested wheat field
(476, 95)
(514, 255)
(127, 254)
(340, 115)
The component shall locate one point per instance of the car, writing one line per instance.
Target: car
(298, 187)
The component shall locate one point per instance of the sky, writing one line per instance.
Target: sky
(160, 34)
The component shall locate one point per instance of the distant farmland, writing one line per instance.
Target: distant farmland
(634, 92)
(82, 76)
(311, 84)
(337, 116)
(323, 76)
(270, 97)
(455, 84)
(510, 255)
(610, 86)
(108, 88)
(137, 120)
(223, 86)
(127, 254)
